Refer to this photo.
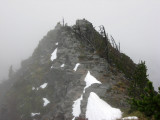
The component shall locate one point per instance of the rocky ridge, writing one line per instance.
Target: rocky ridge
(64, 84)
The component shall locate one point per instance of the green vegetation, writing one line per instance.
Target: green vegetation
(122, 62)
(149, 103)
(143, 96)
(139, 81)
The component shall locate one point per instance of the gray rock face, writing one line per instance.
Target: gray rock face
(64, 84)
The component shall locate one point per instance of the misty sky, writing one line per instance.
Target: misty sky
(133, 23)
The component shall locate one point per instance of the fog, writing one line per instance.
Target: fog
(133, 23)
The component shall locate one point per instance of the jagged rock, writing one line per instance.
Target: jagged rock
(64, 84)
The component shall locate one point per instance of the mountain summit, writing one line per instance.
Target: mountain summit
(74, 73)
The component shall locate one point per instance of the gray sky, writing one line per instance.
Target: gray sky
(133, 23)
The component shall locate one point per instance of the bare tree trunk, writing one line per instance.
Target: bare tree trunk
(119, 46)
(63, 22)
(114, 42)
(103, 33)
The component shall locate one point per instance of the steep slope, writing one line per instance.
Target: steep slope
(63, 74)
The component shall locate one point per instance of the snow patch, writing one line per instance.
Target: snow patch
(34, 114)
(54, 55)
(130, 118)
(33, 88)
(56, 43)
(51, 67)
(76, 110)
(77, 107)
(97, 109)
(89, 79)
(46, 102)
(44, 85)
(76, 66)
(62, 65)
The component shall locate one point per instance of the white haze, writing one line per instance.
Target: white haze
(133, 23)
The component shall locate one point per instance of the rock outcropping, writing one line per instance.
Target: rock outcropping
(62, 60)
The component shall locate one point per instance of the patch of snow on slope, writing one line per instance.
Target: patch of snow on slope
(56, 43)
(51, 67)
(77, 107)
(34, 114)
(54, 55)
(62, 65)
(89, 79)
(97, 109)
(44, 85)
(46, 102)
(75, 68)
(33, 88)
(130, 118)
